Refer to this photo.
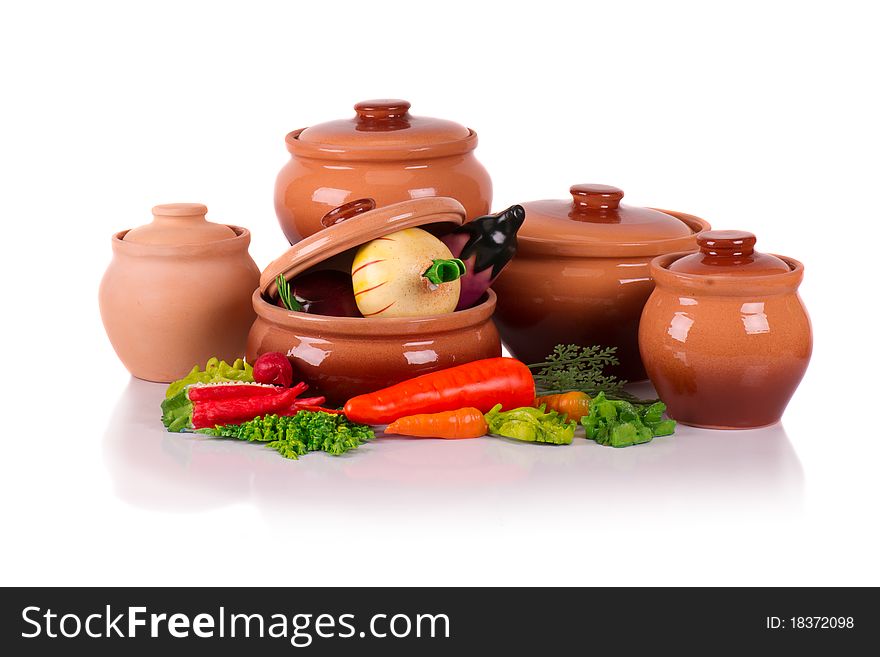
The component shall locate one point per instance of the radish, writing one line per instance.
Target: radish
(273, 368)
(409, 273)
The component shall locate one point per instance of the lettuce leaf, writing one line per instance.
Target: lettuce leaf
(532, 425)
(216, 371)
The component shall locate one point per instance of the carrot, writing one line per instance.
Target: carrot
(480, 384)
(463, 423)
(574, 404)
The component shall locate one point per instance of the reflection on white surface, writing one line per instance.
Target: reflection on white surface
(745, 471)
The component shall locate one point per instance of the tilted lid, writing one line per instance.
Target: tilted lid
(382, 126)
(356, 223)
(594, 222)
(177, 224)
(729, 253)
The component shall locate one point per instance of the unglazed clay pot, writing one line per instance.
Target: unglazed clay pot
(384, 153)
(725, 337)
(341, 357)
(177, 292)
(580, 275)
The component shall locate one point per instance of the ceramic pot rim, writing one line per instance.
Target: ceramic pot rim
(726, 286)
(645, 248)
(319, 151)
(412, 327)
(217, 247)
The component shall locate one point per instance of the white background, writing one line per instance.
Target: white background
(761, 116)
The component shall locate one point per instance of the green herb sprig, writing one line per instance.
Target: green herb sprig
(571, 367)
(286, 294)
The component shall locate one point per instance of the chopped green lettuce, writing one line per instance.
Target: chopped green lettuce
(531, 425)
(216, 371)
(621, 424)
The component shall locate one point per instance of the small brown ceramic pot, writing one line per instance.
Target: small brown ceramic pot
(340, 357)
(580, 275)
(178, 293)
(383, 153)
(724, 336)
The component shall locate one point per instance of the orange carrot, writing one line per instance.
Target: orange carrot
(574, 404)
(463, 423)
(480, 384)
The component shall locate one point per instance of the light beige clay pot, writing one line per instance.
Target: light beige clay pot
(177, 292)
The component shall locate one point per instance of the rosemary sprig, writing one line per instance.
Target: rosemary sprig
(286, 295)
(571, 367)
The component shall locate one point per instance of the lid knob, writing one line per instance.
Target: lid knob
(726, 243)
(347, 211)
(385, 109)
(177, 224)
(595, 197)
(180, 210)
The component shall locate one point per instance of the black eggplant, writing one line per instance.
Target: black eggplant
(486, 245)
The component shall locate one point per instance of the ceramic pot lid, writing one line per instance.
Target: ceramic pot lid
(595, 217)
(178, 224)
(728, 253)
(382, 126)
(357, 223)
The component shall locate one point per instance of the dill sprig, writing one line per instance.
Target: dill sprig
(286, 294)
(571, 367)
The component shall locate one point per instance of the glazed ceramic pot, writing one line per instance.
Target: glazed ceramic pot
(580, 275)
(384, 153)
(177, 292)
(725, 337)
(340, 357)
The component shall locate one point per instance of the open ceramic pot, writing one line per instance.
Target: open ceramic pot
(341, 357)
(384, 153)
(581, 276)
(725, 336)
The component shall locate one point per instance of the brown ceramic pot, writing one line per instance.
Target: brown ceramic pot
(384, 153)
(581, 275)
(177, 292)
(725, 337)
(340, 357)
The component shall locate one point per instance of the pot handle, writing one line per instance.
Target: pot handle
(347, 211)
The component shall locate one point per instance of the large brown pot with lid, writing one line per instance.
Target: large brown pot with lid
(581, 274)
(177, 293)
(725, 336)
(384, 153)
(341, 357)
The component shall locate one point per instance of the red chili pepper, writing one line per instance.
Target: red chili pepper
(480, 384)
(309, 401)
(320, 409)
(234, 391)
(241, 409)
